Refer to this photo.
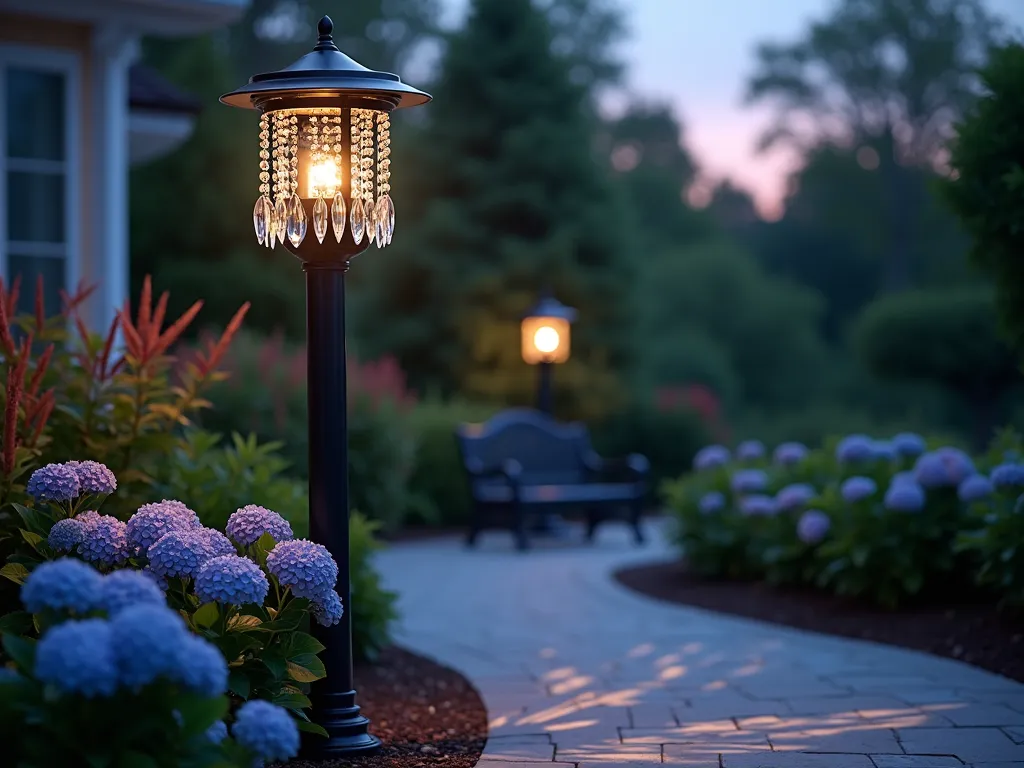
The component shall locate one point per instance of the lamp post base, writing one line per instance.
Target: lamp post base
(349, 731)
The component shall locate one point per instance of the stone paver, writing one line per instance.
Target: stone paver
(576, 670)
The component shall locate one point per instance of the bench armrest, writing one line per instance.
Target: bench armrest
(634, 466)
(509, 470)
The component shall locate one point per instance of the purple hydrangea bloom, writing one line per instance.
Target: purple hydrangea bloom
(156, 578)
(974, 488)
(150, 524)
(66, 534)
(250, 522)
(788, 454)
(794, 496)
(327, 609)
(122, 589)
(217, 732)
(944, 467)
(908, 444)
(93, 477)
(266, 730)
(105, 542)
(178, 553)
(62, 585)
(749, 481)
(1008, 476)
(200, 667)
(907, 476)
(147, 643)
(884, 450)
(172, 507)
(231, 580)
(306, 567)
(711, 456)
(855, 448)
(758, 504)
(710, 502)
(750, 450)
(78, 657)
(904, 497)
(54, 482)
(216, 542)
(813, 526)
(857, 489)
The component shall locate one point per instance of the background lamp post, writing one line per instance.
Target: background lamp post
(546, 339)
(324, 195)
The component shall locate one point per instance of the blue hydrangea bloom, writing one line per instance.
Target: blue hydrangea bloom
(216, 542)
(1008, 476)
(200, 667)
(749, 450)
(250, 522)
(855, 448)
(156, 578)
(788, 454)
(178, 553)
(121, 589)
(306, 567)
(944, 467)
(711, 456)
(908, 444)
(758, 504)
(904, 497)
(813, 526)
(327, 609)
(856, 489)
(266, 730)
(93, 477)
(907, 476)
(217, 732)
(974, 488)
(713, 501)
(147, 643)
(884, 450)
(172, 507)
(54, 482)
(78, 657)
(66, 534)
(231, 580)
(794, 496)
(62, 585)
(145, 528)
(749, 481)
(105, 542)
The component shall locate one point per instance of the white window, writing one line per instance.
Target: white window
(39, 113)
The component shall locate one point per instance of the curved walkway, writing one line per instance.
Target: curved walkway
(574, 669)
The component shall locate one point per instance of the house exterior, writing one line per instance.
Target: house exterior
(75, 112)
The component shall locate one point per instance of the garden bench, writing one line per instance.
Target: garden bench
(523, 462)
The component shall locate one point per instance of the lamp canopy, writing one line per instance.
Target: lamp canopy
(549, 306)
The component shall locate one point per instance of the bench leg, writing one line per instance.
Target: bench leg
(519, 529)
(593, 520)
(475, 526)
(635, 511)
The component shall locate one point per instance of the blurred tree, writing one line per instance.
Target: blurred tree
(505, 195)
(891, 74)
(732, 207)
(987, 192)
(585, 33)
(947, 336)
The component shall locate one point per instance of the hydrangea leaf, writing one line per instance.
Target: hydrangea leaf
(238, 683)
(243, 622)
(312, 728)
(294, 701)
(32, 539)
(262, 547)
(35, 520)
(16, 623)
(275, 662)
(15, 572)
(306, 668)
(300, 643)
(206, 616)
(200, 712)
(21, 650)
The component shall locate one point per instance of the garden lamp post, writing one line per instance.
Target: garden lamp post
(545, 339)
(324, 195)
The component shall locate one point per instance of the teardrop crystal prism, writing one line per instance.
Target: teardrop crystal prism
(387, 218)
(378, 223)
(298, 222)
(261, 218)
(371, 221)
(320, 219)
(338, 216)
(357, 220)
(281, 218)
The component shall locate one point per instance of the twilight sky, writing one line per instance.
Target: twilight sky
(697, 55)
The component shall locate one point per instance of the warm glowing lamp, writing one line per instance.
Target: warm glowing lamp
(545, 341)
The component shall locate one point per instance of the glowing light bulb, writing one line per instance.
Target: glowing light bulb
(546, 339)
(324, 178)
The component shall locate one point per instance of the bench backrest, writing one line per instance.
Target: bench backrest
(549, 452)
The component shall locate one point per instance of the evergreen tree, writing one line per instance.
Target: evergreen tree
(507, 196)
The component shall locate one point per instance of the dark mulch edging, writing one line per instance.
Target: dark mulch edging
(425, 715)
(970, 632)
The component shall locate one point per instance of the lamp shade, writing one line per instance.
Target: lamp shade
(546, 332)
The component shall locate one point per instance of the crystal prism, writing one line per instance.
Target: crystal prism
(371, 221)
(338, 216)
(261, 218)
(387, 217)
(281, 218)
(297, 221)
(378, 223)
(357, 220)
(320, 219)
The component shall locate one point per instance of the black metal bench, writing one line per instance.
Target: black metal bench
(522, 462)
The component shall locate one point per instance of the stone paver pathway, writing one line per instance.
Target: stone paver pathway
(576, 670)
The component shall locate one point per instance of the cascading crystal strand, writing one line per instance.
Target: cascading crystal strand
(358, 213)
(297, 221)
(366, 160)
(384, 211)
(282, 183)
(262, 213)
(338, 208)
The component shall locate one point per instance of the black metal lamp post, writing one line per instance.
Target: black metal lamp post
(325, 167)
(545, 339)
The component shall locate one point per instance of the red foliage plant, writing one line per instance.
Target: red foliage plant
(698, 398)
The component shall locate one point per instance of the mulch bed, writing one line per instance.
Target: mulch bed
(425, 715)
(966, 630)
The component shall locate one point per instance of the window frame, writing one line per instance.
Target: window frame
(68, 64)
